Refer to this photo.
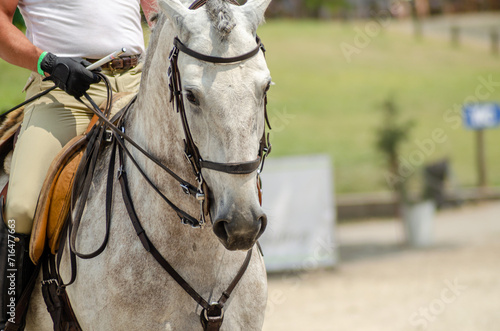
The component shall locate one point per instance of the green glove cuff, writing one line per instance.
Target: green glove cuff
(40, 59)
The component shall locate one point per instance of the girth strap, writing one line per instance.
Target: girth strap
(56, 298)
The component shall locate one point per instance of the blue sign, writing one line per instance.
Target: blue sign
(481, 115)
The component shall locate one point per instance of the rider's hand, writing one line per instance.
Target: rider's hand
(69, 73)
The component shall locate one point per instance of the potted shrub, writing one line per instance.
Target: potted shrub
(416, 210)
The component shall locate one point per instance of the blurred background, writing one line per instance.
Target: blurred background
(400, 100)
(403, 96)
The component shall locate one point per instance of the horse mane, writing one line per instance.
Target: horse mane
(219, 13)
(159, 20)
(221, 16)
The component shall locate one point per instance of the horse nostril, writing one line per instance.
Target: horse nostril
(263, 223)
(237, 233)
(220, 229)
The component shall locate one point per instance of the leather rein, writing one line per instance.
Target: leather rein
(212, 313)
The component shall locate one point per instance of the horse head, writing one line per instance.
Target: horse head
(224, 107)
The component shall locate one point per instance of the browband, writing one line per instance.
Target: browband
(214, 59)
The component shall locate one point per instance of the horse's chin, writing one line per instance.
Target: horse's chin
(238, 245)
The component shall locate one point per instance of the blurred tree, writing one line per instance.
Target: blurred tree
(18, 20)
(321, 8)
(389, 137)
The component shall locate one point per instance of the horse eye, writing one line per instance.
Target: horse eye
(192, 98)
(268, 86)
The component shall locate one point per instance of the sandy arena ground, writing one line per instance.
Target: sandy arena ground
(381, 285)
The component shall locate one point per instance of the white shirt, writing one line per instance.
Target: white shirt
(84, 28)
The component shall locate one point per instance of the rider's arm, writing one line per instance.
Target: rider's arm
(15, 48)
(67, 73)
(149, 7)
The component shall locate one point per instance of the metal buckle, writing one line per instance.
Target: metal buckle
(111, 67)
(173, 53)
(187, 221)
(188, 156)
(121, 171)
(108, 135)
(215, 316)
(49, 281)
(185, 189)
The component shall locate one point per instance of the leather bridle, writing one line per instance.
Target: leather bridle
(212, 314)
(191, 150)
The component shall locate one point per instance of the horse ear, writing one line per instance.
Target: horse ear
(175, 11)
(256, 8)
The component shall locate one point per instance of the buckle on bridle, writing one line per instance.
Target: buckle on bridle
(185, 189)
(108, 135)
(173, 53)
(196, 225)
(188, 156)
(120, 172)
(186, 221)
(49, 281)
(212, 316)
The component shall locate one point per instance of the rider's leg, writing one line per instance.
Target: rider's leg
(48, 124)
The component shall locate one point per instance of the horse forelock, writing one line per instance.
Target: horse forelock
(221, 16)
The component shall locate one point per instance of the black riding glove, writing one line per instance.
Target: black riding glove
(69, 73)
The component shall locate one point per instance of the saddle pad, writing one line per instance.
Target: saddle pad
(8, 130)
(55, 197)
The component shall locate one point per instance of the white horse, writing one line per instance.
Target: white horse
(125, 288)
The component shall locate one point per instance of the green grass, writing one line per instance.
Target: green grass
(12, 81)
(334, 106)
(323, 104)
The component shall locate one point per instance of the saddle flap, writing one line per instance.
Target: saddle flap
(53, 203)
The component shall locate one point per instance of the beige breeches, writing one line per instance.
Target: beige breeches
(49, 123)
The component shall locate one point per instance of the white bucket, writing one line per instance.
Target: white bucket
(418, 220)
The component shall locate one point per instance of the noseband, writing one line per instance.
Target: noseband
(191, 150)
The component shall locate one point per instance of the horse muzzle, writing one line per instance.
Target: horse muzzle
(240, 230)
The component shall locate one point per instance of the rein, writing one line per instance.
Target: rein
(212, 314)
